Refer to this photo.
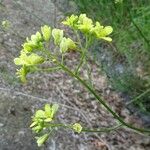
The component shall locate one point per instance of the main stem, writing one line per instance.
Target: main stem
(92, 91)
(101, 100)
(87, 129)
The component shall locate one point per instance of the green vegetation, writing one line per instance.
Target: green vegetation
(131, 44)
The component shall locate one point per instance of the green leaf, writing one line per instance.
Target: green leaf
(46, 31)
(41, 140)
(57, 35)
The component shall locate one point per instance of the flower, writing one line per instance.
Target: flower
(42, 117)
(77, 127)
(102, 32)
(34, 43)
(41, 140)
(85, 24)
(28, 60)
(71, 21)
(22, 73)
(66, 43)
(57, 35)
(46, 32)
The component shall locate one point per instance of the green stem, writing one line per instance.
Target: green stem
(59, 125)
(49, 69)
(138, 97)
(101, 100)
(98, 98)
(83, 50)
(87, 129)
(102, 129)
(62, 58)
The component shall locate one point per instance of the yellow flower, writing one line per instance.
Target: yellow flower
(46, 32)
(71, 21)
(102, 32)
(57, 35)
(28, 60)
(22, 73)
(66, 43)
(77, 127)
(85, 24)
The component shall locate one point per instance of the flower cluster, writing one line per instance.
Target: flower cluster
(42, 117)
(35, 52)
(41, 121)
(28, 58)
(28, 55)
(86, 26)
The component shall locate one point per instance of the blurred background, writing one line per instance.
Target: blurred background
(120, 74)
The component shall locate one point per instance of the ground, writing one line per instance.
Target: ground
(18, 102)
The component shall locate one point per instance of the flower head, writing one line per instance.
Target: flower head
(57, 35)
(46, 32)
(28, 60)
(77, 127)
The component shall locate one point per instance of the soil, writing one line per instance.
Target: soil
(19, 101)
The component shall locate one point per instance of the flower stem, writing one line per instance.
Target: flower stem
(98, 97)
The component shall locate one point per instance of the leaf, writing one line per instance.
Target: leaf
(41, 140)
(46, 31)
